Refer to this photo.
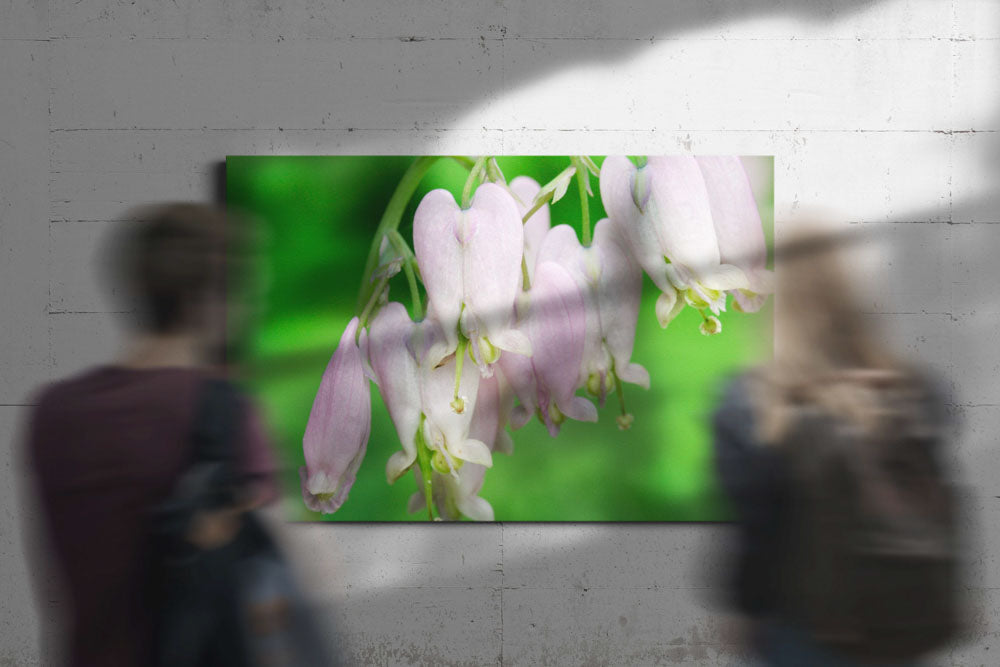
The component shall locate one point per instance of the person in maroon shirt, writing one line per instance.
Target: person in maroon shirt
(108, 445)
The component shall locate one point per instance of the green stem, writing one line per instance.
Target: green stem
(474, 173)
(463, 343)
(620, 390)
(582, 176)
(534, 209)
(426, 471)
(409, 261)
(372, 300)
(466, 162)
(392, 216)
(525, 279)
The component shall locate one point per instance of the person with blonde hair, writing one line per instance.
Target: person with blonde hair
(830, 456)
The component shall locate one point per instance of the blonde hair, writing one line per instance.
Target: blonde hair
(827, 353)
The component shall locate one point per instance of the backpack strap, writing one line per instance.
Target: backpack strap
(216, 429)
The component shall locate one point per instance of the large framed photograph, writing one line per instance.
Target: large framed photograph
(509, 338)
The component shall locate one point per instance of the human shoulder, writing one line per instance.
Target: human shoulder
(736, 397)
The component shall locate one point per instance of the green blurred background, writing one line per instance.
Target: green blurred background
(316, 217)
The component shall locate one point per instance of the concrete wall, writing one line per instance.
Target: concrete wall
(882, 111)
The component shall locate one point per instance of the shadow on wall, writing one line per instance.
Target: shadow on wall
(586, 586)
(928, 301)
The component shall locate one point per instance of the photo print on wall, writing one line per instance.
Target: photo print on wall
(508, 338)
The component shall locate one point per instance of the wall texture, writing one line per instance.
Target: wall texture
(883, 112)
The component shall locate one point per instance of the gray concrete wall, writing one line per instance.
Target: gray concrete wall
(884, 112)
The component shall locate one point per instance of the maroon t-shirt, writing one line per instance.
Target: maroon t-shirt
(105, 447)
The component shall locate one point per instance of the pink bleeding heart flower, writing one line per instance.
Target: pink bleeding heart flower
(612, 286)
(553, 314)
(336, 434)
(470, 262)
(394, 363)
(458, 495)
(664, 211)
(738, 227)
(445, 430)
(526, 189)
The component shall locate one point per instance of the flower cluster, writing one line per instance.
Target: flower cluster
(521, 315)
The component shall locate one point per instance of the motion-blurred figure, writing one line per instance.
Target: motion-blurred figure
(110, 445)
(830, 454)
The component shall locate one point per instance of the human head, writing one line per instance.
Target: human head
(178, 265)
(828, 352)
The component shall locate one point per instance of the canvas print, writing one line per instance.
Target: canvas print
(503, 338)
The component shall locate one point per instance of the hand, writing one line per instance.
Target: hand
(213, 529)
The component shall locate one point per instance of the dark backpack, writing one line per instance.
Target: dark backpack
(873, 556)
(205, 597)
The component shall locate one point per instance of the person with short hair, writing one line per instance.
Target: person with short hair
(109, 444)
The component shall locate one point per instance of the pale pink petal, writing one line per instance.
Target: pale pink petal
(735, 214)
(451, 428)
(520, 416)
(512, 340)
(578, 408)
(633, 373)
(526, 189)
(616, 180)
(493, 242)
(438, 250)
(619, 292)
(562, 247)
(679, 204)
(475, 507)
(473, 451)
(396, 370)
(557, 326)
(621, 183)
(486, 416)
(668, 305)
(520, 374)
(366, 356)
(725, 277)
(336, 434)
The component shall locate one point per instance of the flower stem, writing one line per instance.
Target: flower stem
(372, 300)
(620, 390)
(525, 279)
(474, 175)
(409, 262)
(392, 216)
(534, 209)
(466, 162)
(582, 178)
(457, 404)
(426, 471)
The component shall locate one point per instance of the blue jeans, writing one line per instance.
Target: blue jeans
(786, 645)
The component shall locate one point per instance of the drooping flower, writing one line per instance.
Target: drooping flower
(526, 189)
(470, 262)
(552, 313)
(664, 211)
(458, 495)
(417, 392)
(336, 434)
(612, 287)
(738, 227)
(394, 363)
(445, 430)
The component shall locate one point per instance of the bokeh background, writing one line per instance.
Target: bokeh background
(315, 218)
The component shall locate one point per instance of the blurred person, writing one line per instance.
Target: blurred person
(109, 445)
(830, 455)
